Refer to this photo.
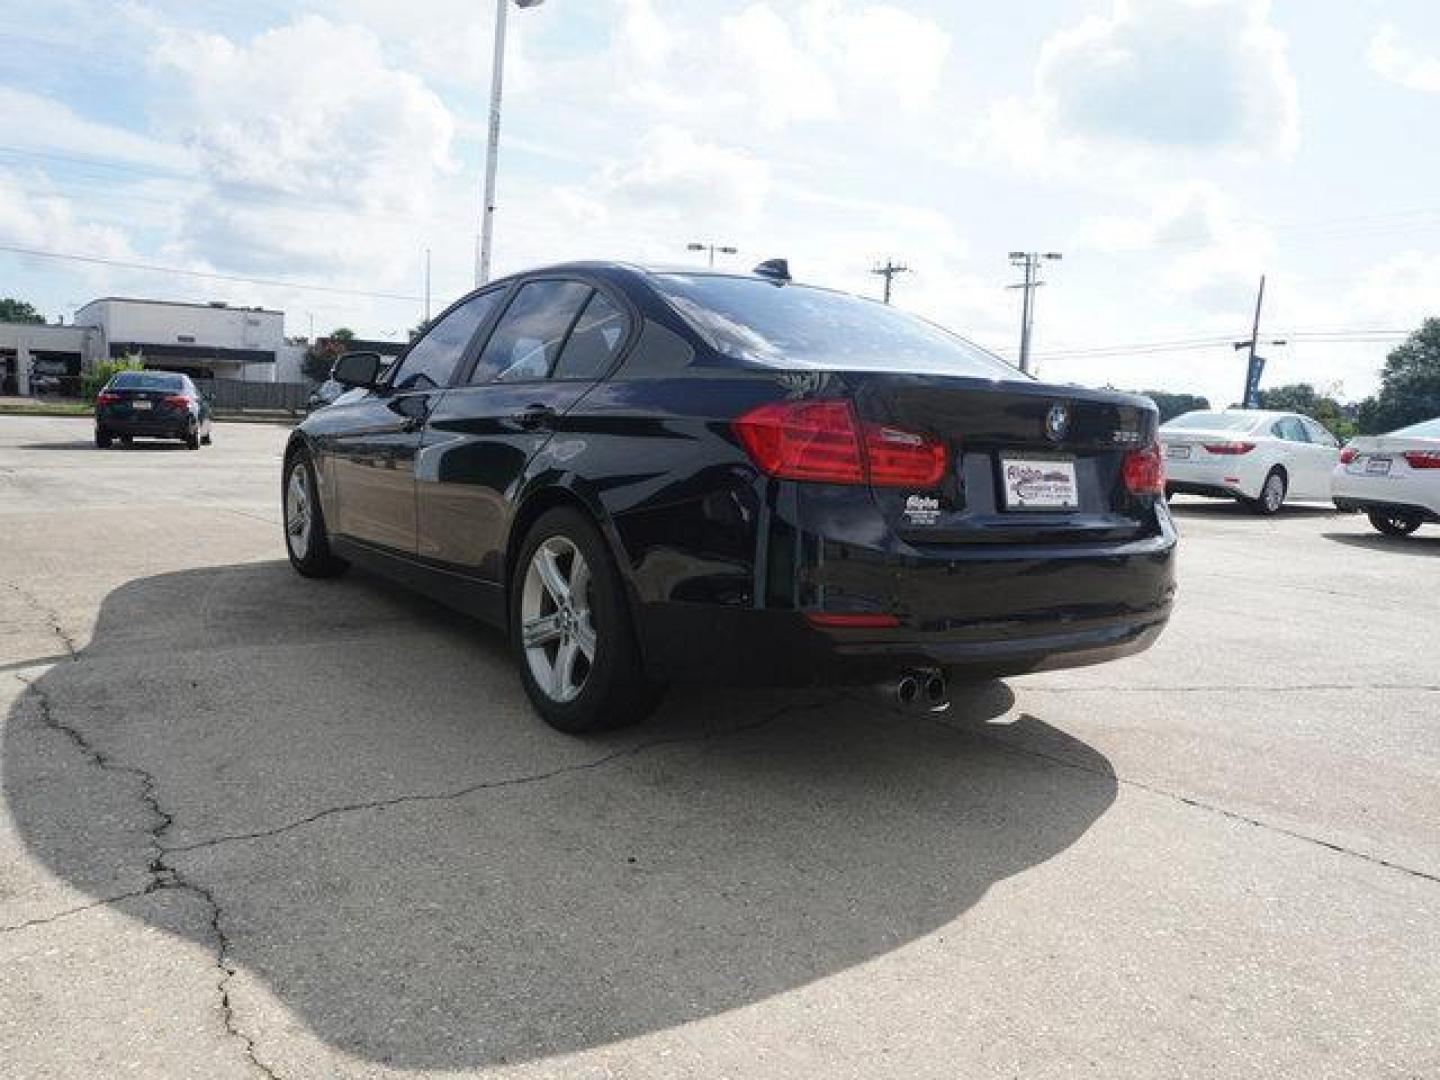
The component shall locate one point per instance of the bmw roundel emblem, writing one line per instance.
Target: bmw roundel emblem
(1057, 422)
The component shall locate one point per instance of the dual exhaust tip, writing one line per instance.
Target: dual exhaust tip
(924, 690)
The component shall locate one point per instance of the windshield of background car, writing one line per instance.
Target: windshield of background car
(1430, 429)
(801, 326)
(1212, 421)
(141, 380)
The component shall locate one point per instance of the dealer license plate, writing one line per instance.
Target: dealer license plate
(142, 404)
(1039, 484)
(1177, 450)
(1377, 466)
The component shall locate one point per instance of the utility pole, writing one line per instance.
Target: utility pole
(1029, 261)
(723, 249)
(427, 286)
(888, 269)
(1256, 365)
(492, 142)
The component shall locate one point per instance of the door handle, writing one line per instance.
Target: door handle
(534, 416)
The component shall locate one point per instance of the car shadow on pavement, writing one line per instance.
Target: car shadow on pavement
(89, 444)
(400, 853)
(1420, 544)
(1230, 508)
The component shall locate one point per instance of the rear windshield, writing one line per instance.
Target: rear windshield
(1430, 429)
(799, 326)
(1213, 421)
(147, 380)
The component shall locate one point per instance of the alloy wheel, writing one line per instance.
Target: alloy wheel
(556, 627)
(297, 512)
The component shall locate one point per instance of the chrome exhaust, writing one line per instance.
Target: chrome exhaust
(921, 690)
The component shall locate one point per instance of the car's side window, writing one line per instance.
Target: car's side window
(527, 340)
(600, 331)
(1319, 435)
(431, 361)
(1291, 430)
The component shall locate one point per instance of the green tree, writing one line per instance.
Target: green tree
(1409, 384)
(1173, 405)
(320, 357)
(1303, 398)
(107, 369)
(12, 310)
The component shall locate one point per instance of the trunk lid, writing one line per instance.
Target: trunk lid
(1028, 462)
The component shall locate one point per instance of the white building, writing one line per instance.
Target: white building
(34, 351)
(208, 341)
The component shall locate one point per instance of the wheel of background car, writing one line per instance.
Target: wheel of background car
(571, 631)
(1272, 494)
(306, 540)
(192, 439)
(103, 439)
(1392, 524)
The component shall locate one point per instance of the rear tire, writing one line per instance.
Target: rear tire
(1392, 524)
(103, 439)
(1272, 495)
(127, 441)
(307, 541)
(192, 439)
(571, 631)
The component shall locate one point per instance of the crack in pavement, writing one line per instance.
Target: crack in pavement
(50, 615)
(1191, 801)
(610, 758)
(163, 877)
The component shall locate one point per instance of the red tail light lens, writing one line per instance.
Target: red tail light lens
(1229, 447)
(177, 399)
(853, 620)
(823, 441)
(107, 398)
(1348, 455)
(804, 440)
(903, 458)
(1145, 471)
(1423, 459)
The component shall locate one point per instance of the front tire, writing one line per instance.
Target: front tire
(1393, 524)
(571, 631)
(1272, 495)
(307, 541)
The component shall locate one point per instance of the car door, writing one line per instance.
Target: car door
(373, 449)
(555, 339)
(1297, 455)
(1325, 449)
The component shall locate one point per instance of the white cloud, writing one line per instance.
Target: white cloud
(310, 115)
(35, 215)
(1200, 75)
(1393, 59)
(46, 126)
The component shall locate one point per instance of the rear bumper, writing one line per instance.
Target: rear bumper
(1007, 613)
(1402, 493)
(174, 427)
(1230, 477)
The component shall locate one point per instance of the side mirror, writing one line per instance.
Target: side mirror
(357, 369)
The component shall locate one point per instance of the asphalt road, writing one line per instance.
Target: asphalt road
(255, 825)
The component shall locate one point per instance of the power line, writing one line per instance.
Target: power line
(206, 274)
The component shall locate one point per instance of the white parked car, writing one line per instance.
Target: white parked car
(1394, 478)
(1260, 458)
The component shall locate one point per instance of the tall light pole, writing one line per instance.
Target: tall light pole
(1029, 261)
(723, 249)
(492, 142)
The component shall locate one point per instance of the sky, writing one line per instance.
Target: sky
(307, 154)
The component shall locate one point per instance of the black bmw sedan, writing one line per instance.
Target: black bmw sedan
(154, 404)
(652, 476)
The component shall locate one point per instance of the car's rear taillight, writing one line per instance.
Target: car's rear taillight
(1423, 459)
(823, 441)
(853, 620)
(107, 398)
(1229, 448)
(1348, 455)
(1145, 471)
(178, 399)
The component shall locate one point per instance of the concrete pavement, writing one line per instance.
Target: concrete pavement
(256, 825)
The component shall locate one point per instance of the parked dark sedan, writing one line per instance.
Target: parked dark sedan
(650, 476)
(156, 404)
